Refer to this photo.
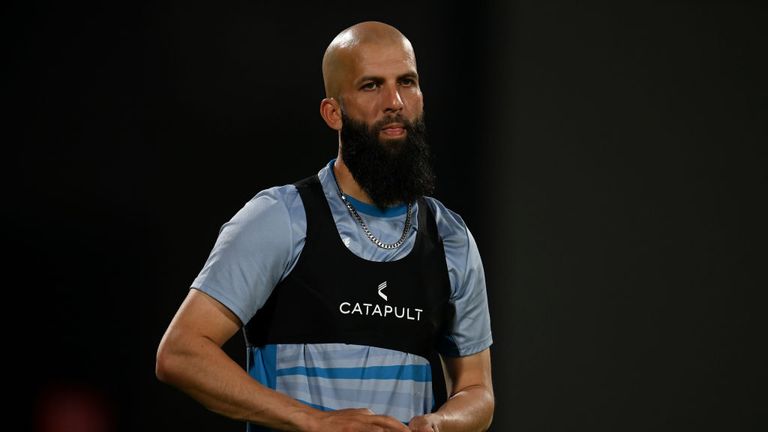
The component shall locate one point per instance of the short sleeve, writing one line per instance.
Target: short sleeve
(253, 252)
(470, 332)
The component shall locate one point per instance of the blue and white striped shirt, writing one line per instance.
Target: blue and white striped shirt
(260, 246)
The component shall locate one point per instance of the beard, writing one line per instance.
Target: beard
(390, 171)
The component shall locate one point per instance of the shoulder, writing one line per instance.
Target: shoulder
(450, 225)
(270, 214)
(461, 253)
(277, 201)
(278, 195)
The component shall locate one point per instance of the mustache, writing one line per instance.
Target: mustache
(396, 118)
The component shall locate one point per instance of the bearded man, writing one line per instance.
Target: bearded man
(357, 293)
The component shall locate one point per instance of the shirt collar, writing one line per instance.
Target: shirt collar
(368, 209)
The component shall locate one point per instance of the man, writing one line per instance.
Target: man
(347, 284)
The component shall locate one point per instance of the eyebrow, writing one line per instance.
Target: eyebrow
(378, 79)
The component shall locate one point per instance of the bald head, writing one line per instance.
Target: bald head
(347, 48)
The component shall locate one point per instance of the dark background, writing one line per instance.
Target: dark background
(610, 160)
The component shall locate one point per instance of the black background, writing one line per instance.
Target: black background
(610, 160)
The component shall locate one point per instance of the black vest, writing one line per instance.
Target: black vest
(334, 296)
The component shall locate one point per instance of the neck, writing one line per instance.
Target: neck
(347, 183)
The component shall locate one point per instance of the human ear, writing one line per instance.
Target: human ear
(330, 111)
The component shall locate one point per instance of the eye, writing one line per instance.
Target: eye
(407, 82)
(368, 86)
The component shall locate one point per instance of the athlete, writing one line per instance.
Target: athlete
(361, 298)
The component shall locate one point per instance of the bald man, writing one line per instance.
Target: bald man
(358, 294)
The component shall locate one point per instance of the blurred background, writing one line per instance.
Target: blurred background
(610, 159)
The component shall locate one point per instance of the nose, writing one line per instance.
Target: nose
(392, 100)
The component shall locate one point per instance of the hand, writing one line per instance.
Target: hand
(425, 423)
(357, 420)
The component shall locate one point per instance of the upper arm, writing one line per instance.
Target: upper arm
(254, 251)
(194, 339)
(470, 331)
(200, 315)
(469, 371)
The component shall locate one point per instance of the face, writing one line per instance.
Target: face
(381, 125)
(382, 83)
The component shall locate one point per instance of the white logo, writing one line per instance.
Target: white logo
(381, 287)
(384, 311)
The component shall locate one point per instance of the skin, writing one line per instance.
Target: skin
(370, 68)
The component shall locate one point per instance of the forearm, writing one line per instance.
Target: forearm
(190, 357)
(469, 410)
(201, 369)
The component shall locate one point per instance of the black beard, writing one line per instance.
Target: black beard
(390, 171)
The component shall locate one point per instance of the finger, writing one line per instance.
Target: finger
(417, 422)
(421, 424)
(358, 411)
(391, 423)
(364, 411)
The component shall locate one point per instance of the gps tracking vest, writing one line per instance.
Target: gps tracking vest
(334, 296)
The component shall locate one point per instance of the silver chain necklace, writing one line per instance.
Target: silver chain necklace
(368, 232)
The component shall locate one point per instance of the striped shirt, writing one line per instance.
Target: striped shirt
(259, 247)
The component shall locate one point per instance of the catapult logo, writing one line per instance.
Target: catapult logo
(377, 310)
(381, 287)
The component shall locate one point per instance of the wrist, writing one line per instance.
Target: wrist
(306, 420)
